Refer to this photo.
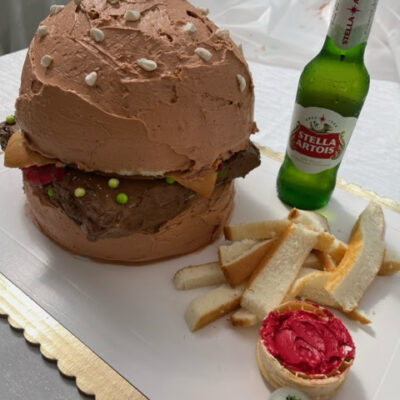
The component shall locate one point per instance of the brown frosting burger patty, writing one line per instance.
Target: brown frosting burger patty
(151, 202)
(195, 227)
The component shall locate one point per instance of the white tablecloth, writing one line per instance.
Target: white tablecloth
(275, 32)
(290, 32)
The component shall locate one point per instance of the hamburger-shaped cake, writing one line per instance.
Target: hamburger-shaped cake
(133, 119)
(303, 345)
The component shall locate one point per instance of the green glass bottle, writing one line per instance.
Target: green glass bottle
(331, 92)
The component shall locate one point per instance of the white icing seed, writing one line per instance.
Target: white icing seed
(203, 53)
(55, 9)
(147, 65)
(241, 48)
(190, 27)
(132, 15)
(91, 78)
(204, 11)
(42, 30)
(46, 61)
(242, 82)
(77, 2)
(222, 33)
(97, 34)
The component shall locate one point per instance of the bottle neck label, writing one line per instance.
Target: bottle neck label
(318, 138)
(351, 22)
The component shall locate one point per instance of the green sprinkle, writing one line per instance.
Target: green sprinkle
(10, 120)
(79, 192)
(292, 397)
(223, 172)
(50, 192)
(169, 180)
(113, 183)
(122, 198)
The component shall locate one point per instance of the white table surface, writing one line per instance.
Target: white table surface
(371, 161)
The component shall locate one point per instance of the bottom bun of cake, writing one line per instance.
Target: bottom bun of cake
(197, 225)
(317, 349)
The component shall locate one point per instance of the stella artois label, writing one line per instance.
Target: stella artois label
(351, 22)
(318, 138)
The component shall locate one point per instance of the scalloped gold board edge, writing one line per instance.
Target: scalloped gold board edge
(93, 376)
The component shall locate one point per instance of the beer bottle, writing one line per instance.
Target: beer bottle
(330, 95)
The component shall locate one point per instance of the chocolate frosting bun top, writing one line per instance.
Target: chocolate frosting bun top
(135, 87)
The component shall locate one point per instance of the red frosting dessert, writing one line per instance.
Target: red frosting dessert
(303, 345)
(309, 342)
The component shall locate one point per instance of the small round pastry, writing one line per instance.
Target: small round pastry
(303, 345)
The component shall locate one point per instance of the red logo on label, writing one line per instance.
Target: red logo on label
(316, 144)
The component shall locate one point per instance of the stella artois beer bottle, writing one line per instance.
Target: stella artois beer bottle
(330, 95)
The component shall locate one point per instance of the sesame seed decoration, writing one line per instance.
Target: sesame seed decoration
(91, 78)
(46, 60)
(242, 82)
(79, 192)
(222, 33)
(55, 9)
(204, 11)
(190, 27)
(122, 198)
(42, 30)
(113, 183)
(147, 65)
(241, 48)
(132, 15)
(97, 34)
(203, 53)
